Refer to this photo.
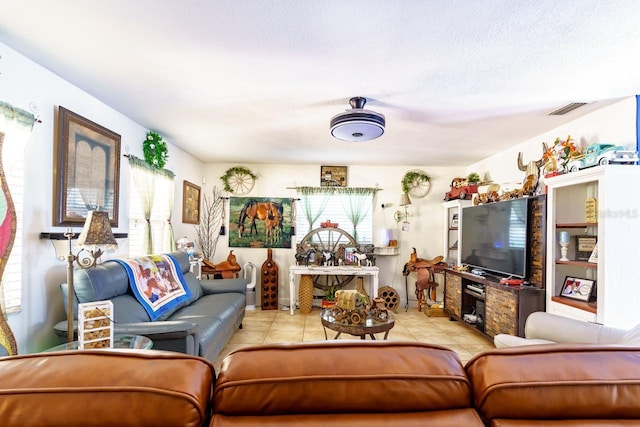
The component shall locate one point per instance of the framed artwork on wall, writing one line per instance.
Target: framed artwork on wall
(86, 170)
(190, 203)
(260, 222)
(333, 176)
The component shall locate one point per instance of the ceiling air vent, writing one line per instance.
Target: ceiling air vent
(566, 109)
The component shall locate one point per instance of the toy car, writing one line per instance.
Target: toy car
(602, 154)
(461, 189)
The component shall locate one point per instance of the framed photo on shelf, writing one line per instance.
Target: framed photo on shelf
(585, 246)
(190, 203)
(576, 288)
(454, 221)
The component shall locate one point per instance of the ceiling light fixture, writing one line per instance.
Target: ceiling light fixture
(357, 124)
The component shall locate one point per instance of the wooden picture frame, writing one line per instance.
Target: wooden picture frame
(333, 176)
(86, 170)
(576, 288)
(190, 203)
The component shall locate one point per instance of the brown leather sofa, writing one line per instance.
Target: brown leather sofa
(344, 383)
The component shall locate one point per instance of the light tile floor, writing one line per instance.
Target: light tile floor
(278, 326)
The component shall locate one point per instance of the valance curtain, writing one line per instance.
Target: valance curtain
(148, 181)
(15, 129)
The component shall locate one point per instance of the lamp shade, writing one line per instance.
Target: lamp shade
(405, 200)
(97, 232)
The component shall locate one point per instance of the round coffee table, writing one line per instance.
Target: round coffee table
(370, 327)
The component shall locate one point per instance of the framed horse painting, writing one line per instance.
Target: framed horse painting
(259, 222)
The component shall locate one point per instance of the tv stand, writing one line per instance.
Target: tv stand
(496, 308)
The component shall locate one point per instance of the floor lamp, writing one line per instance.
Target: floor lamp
(96, 237)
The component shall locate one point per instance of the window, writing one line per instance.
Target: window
(15, 129)
(339, 206)
(153, 190)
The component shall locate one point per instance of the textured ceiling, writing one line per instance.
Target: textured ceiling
(258, 81)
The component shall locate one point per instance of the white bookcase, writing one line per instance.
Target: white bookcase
(615, 226)
(452, 231)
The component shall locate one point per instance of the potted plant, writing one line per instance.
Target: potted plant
(473, 178)
(329, 299)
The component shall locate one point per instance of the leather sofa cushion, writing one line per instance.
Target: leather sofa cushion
(342, 377)
(99, 283)
(105, 388)
(558, 381)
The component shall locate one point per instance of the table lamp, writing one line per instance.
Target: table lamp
(95, 238)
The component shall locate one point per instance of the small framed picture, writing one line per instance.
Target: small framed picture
(454, 221)
(585, 246)
(333, 176)
(190, 203)
(576, 288)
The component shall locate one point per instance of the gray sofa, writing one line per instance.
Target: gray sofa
(201, 326)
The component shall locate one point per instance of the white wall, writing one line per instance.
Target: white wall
(22, 82)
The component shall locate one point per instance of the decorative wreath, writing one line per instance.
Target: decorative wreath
(155, 150)
(413, 178)
(236, 170)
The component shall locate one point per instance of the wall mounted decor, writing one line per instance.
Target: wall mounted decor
(333, 176)
(155, 150)
(190, 203)
(86, 170)
(259, 222)
(238, 180)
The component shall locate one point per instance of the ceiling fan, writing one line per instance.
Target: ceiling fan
(357, 124)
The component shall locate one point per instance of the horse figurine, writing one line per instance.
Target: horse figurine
(363, 258)
(254, 210)
(304, 256)
(329, 258)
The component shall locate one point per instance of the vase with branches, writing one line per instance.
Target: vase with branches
(211, 221)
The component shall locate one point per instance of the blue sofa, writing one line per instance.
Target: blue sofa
(201, 326)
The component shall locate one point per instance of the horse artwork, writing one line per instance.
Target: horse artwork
(260, 222)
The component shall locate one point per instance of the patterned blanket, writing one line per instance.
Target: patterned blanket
(157, 283)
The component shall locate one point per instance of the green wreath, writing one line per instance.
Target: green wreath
(155, 150)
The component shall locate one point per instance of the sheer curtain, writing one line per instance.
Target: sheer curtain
(15, 129)
(155, 194)
(357, 205)
(165, 205)
(306, 194)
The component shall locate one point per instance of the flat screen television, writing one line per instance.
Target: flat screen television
(494, 237)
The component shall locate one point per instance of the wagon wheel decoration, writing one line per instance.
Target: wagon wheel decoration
(329, 239)
(416, 183)
(238, 180)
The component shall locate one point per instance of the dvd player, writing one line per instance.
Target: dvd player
(476, 287)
